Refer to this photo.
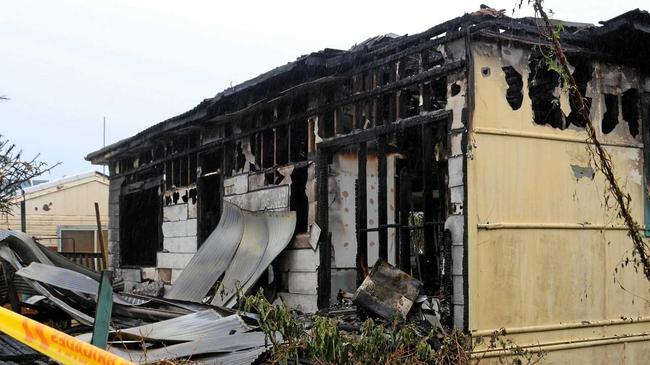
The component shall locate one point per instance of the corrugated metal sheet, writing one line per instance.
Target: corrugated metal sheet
(61, 278)
(191, 327)
(8, 255)
(212, 258)
(25, 247)
(247, 258)
(173, 303)
(69, 280)
(20, 285)
(281, 226)
(206, 345)
(29, 250)
(242, 246)
(234, 358)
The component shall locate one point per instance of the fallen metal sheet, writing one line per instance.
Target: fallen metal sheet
(24, 246)
(61, 278)
(206, 345)
(68, 280)
(190, 307)
(245, 357)
(130, 300)
(190, 327)
(8, 255)
(281, 226)
(248, 256)
(148, 314)
(29, 250)
(212, 258)
(388, 291)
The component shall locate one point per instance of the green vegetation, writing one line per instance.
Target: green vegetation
(317, 339)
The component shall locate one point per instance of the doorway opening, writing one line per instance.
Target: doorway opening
(140, 224)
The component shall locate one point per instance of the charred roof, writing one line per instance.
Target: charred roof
(615, 40)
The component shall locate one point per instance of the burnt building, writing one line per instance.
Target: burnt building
(454, 153)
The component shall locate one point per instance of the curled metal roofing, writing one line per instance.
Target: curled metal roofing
(242, 246)
(70, 280)
(281, 226)
(247, 258)
(212, 258)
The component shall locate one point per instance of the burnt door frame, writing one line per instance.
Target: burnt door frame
(325, 151)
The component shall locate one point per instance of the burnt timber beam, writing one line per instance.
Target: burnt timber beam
(393, 51)
(382, 206)
(432, 73)
(282, 96)
(414, 227)
(445, 27)
(405, 53)
(322, 218)
(396, 220)
(405, 189)
(533, 30)
(438, 34)
(391, 127)
(261, 104)
(430, 247)
(371, 134)
(361, 210)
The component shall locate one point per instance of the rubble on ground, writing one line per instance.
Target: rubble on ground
(143, 328)
(149, 326)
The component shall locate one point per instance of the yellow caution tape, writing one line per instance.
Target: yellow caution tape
(55, 344)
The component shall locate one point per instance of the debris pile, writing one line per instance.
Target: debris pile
(13, 352)
(193, 320)
(144, 329)
(385, 321)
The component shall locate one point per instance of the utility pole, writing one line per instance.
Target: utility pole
(104, 143)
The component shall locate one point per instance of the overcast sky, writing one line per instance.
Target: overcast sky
(66, 64)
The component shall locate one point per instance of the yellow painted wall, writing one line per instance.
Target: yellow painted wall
(542, 246)
(69, 204)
